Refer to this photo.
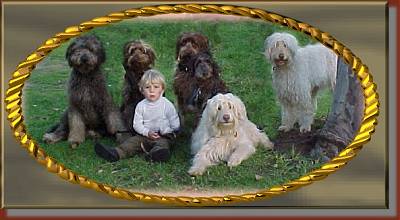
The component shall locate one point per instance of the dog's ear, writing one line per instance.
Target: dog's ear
(99, 49)
(210, 111)
(207, 44)
(178, 44)
(215, 67)
(126, 48)
(236, 110)
(125, 54)
(238, 106)
(267, 53)
(151, 53)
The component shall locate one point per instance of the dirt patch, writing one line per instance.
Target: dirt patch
(302, 143)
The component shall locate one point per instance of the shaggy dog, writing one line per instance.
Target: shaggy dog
(138, 57)
(298, 73)
(91, 110)
(197, 76)
(207, 83)
(187, 46)
(224, 134)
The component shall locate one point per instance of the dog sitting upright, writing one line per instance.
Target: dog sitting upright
(207, 83)
(90, 107)
(186, 86)
(138, 57)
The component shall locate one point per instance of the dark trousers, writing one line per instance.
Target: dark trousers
(140, 144)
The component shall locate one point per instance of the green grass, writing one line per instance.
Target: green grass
(237, 48)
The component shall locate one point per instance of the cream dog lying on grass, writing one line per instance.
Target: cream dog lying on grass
(224, 134)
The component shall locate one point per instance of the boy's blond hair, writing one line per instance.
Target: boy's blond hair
(151, 76)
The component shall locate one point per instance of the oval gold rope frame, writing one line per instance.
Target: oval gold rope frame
(13, 101)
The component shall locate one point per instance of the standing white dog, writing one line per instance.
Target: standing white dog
(298, 73)
(224, 134)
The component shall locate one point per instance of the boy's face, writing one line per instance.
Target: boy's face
(153, 91)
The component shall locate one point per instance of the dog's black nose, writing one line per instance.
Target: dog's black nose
(84, 58)
(281, 56)
(226, 117)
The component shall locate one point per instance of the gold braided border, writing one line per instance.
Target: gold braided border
(14, 94)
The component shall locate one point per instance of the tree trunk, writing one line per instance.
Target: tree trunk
(345, 116)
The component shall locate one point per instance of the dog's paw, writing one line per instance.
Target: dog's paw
(268, 145)
(111, 129)
(284, 128)
(50, 138)
(75, 139)
(305, 129)
(234, 161)
(93, 134)
(73, 145)
(196, 171)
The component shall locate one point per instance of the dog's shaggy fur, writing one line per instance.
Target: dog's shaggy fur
(91, 110)
(207, 83)
(188, 45)
(298, 73)
(224, 134)
(138, 57)
(197, 76)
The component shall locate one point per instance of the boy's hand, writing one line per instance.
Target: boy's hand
(153, 135)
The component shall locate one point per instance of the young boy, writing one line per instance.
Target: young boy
(155, 120)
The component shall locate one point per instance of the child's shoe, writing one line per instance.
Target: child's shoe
(159, 154)
(109, 154)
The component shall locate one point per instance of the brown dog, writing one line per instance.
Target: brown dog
(206, 80)
(138, 57)
(91, 109)
(187, 46)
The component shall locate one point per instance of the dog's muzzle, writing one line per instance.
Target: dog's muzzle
(139, 60)
(203, 71)
(186, 51)
(280, 62)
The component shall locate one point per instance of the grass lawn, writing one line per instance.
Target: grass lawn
(237, 48)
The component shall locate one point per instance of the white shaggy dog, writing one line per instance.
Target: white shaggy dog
(298, 73)
(224, 134)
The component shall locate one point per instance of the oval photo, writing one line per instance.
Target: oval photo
(193, 105)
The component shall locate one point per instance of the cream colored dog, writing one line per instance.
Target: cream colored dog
(224, 134)
(298, 74)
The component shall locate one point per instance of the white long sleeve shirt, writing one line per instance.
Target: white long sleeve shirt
(159, 116)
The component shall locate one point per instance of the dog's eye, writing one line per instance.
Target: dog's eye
(219, 108)
(230, 106)
(284, 45)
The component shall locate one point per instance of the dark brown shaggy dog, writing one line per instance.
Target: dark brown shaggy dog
(205, 83)
(187, 46)
(91, 110)
(138, 57)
